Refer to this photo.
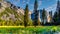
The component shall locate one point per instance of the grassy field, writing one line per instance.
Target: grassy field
(27, 30)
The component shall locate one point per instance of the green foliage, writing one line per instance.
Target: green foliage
(26, 16)
(43, 15)
(36, 13)
(35, 5)
(30, 30)
(30, 22)
(55, 17)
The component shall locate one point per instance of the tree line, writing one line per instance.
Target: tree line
(54, 18)
(26, 21)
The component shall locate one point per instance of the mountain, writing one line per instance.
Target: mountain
(11, 15)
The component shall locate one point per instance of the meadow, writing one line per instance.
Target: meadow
(29, 30)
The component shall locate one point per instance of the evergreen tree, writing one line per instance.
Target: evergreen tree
(35, 13)
(44, 16)
(59, 13)
(26, 16)
(55, 17)
(58, 9)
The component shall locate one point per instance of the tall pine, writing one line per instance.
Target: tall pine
(35, 13)
(26, 16)
(55, 17)
(44, 16)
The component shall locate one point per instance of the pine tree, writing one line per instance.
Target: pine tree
(58, 9)
(35, 13)
(26, 16)
(44, 16)
(59, 13)
(55, 17)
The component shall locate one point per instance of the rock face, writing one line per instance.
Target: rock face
(8, 5)
(9, 13)
(20, 11)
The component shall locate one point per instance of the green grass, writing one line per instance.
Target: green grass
(24, 30)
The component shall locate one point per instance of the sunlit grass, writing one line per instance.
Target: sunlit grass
(17, 29)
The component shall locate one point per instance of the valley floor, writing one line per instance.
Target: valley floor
(29, 30)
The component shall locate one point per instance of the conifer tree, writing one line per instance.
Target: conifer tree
(35, 13)
(55, 17)
(44, 16)
(26, 16)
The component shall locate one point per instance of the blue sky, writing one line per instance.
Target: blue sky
(47, 4)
